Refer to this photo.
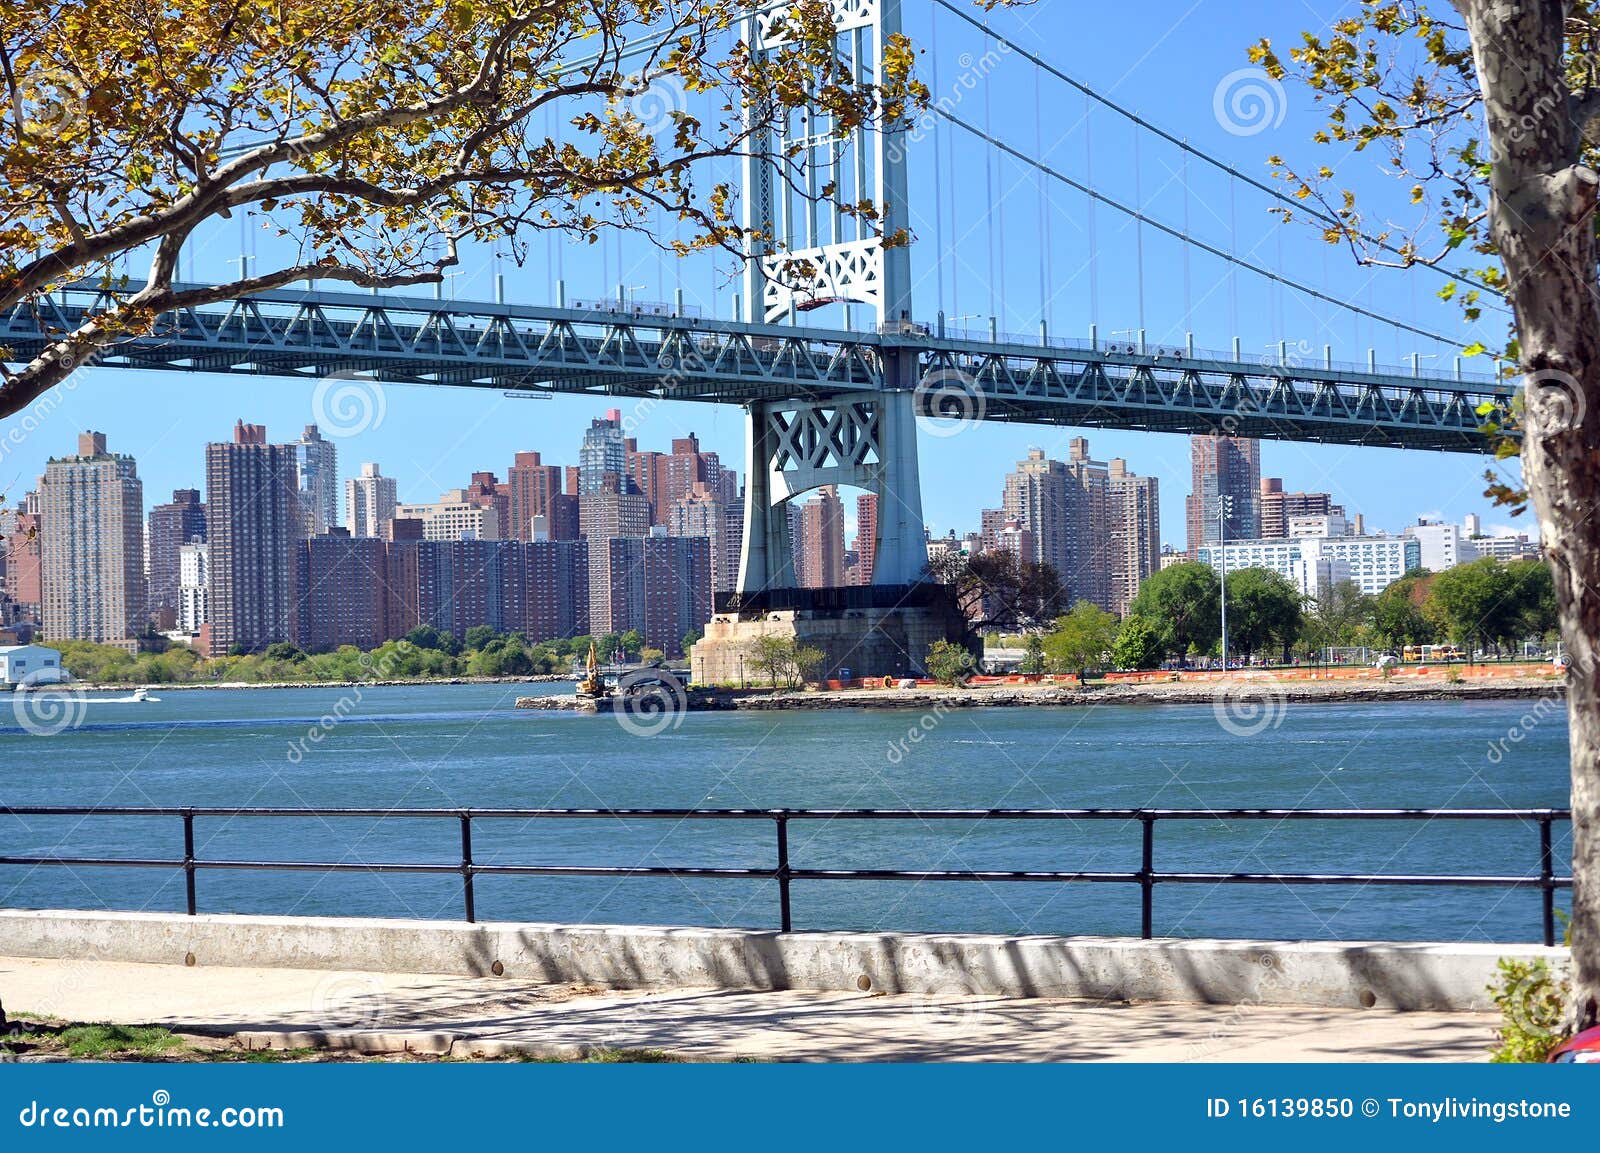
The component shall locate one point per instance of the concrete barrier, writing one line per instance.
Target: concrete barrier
(1318, 973)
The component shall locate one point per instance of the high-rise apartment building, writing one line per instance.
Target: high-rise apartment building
(686, 466)
(1062, 511)
(702, 512)
(821, 556)
(1277, 507)
(1037, 498)
(648, 472)
(1087, 576)
(370, 501)
(991, 522)
(91, 558)
(171, 526)
(1223, 467)
(317, 467)
(192, 580)
(614, 508)
(658, 585)
(865, 550)
(22, 546)
(1134, 532)
(363, 592)
(534, 490)
(558, 589)
(343, 592)
(604, 450)
(1013, 537)
(486, 491)
(253, 521)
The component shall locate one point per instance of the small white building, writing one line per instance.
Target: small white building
(1316, 563)
(1443, 545)
(1506, 548)
(1375, 562)
(18, 662)
(1297, 560)
(193, 572)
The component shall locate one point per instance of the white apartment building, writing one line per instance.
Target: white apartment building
(1318, 525)
(1443, 545)
(1315, 563)
(370, 501)
(1505, 548)
(1375, 562)
(193, 571)
(1300, 561)
(452, 517)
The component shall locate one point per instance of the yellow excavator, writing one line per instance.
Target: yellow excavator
(592, 685)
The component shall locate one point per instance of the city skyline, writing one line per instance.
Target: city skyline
(636, 539)
(1436, 486)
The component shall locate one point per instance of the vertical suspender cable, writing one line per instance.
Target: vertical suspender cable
(558, 238)
(1094, 248)
(1044, 204)
(1188, 296)
(1233, 272)
(938, 194)
(1277, 290)
(1000, 214)
(988, 200)
(988, 185)
(1138, 226)
(955, 232)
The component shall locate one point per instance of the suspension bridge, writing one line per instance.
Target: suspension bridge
(825, 406)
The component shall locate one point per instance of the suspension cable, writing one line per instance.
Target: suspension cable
(1201, 244)
(1259, 185)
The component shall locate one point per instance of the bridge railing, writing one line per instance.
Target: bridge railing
(786, 874)
(1258, 358)
(1263, 359)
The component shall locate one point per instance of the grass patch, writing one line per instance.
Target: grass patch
(51, 1038)
(117, 1040)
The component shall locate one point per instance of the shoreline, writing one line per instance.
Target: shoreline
(387, 683)
(1238, 692)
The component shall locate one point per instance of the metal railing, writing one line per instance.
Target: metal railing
(1147, 877)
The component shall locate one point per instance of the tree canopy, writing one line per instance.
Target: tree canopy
(999, 590)
(375, 137)
(1082, 639)
(1181, 604)
(1263, 611)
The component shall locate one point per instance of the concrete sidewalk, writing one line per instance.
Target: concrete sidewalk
(488, 1016)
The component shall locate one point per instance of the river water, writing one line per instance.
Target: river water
(465, 745)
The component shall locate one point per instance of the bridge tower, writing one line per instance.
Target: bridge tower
(865, 440)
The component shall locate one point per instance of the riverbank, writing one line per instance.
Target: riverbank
(1244, 688)
(178, 686)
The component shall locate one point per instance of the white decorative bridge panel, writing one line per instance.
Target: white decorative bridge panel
(850, 273)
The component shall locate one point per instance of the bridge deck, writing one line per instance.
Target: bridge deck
(520, 348)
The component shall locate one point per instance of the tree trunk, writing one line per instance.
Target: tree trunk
(1542, 225)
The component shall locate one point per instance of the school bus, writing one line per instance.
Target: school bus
(1423, 654)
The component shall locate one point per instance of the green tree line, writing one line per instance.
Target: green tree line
(425, 653)
(1486, 606)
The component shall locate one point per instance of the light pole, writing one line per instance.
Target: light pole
(1224, 507)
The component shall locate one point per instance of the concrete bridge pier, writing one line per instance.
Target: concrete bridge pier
(862, 440)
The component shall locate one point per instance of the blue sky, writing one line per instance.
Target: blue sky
(993, 238)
